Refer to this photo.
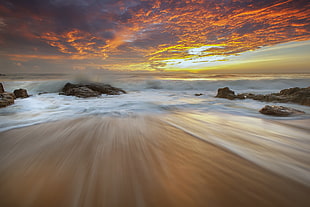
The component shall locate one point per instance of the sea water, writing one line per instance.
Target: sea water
(279, 144)
(146, 94)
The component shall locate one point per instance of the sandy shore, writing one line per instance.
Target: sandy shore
(134, 161)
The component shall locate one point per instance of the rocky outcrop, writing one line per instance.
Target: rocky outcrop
(89, 90)
(6, 99)
(293, 95)
(280, 111)
(21, 93)
(81, 92)
(225, 93)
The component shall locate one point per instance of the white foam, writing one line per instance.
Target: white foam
(145, 95)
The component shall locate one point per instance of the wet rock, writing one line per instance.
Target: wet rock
(21, 93)
(225, 93)
(245, 95)
(82, 92)
(289, 91)
(280, 111)
(293, 95)
(297, 95)
(105, 89)
(1, 88)
(6, 99)
(89, 90)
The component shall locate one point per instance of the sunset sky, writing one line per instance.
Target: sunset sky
(152, 35)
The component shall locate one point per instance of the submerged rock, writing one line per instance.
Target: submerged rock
(293, 95)
(6, 99)
(89, 90)
(21, 93)
(225, 93)
(280, 111)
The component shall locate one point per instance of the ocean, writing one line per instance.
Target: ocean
(147, 94)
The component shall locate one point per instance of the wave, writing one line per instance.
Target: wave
(35, 87)
(213, 85)
(261, 84)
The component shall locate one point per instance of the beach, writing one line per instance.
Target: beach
(156, 161)
(148, 103)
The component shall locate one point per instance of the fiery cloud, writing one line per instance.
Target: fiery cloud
(150, 34)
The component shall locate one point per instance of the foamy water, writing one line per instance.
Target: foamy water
(146, 95)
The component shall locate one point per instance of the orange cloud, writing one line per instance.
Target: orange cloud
(239, 29)
(154, 33)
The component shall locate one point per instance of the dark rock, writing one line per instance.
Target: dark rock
(198, 94)
(90, 90)
(82, 92)
(289, 91)
(1, 88)
(21, 93)
(6, 99)
(245, 95)
(105, 89)
(293, 95)
(225, 93)
(280, 111)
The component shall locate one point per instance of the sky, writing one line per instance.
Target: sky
(197, 36)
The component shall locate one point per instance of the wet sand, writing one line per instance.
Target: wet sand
(133, 161)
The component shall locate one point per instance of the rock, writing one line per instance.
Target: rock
(245, 95)
(293, 95)
(21, 93)
(89, 90)
(1, 88)
(289, 91)
(82, 92)
(280, 111)
(6, 99)
(198, 94)
(297, 95)
(225, 93)
(105, 89)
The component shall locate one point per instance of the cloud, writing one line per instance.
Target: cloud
(148, 32)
